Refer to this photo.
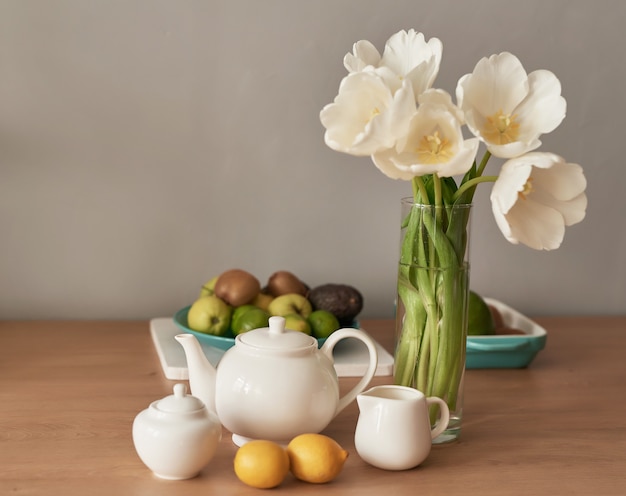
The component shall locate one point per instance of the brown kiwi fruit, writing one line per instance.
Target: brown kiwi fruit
(497, 317)
(284, 282)
(237, 287)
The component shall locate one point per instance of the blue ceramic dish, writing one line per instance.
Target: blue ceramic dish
(508, 351)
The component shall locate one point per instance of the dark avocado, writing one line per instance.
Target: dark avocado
(343, 301)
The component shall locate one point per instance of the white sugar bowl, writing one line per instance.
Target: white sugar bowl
(177, 436)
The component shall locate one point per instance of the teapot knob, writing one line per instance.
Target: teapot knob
(277, 326)
(180, 390)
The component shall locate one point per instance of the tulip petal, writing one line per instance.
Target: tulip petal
(574, 211)
(535, 225)
(544, 108)
(462, 161)
(401, 110)
(363, 54)
(565, 181)
(383, 161)
(497, 83)
(510, 182)
(441, 97)
(512, 150)
(502, 223)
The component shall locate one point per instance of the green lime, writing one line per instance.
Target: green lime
(480, 320)
(252, 318)
(238, 312)
(323, 323)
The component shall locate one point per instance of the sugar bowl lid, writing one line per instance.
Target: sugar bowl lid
(179, 402)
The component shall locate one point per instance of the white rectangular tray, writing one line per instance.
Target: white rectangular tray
(350, 355)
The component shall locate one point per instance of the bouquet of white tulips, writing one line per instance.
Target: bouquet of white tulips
(388, 109)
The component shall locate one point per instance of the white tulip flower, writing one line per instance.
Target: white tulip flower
(536, 196)
(508, 109)
(366, 116)
(407, 56)
(363, 54)
(434, 143)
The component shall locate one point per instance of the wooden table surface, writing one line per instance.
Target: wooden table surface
(69, 392)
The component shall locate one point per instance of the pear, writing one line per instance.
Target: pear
(291, 303)
(208, 288)
(210, 315)
(262, 300)
(297, 322)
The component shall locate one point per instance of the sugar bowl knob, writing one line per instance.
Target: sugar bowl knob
(177, 436)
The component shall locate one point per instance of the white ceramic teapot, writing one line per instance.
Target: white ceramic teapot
(274, 383)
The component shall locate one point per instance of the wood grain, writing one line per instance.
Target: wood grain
(69, 392)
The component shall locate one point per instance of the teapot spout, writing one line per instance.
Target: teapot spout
(201, 372)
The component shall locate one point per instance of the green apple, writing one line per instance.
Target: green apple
(208, 287)
(252, 318)
(323, 323)
(291, 303)
(297, 322)
(209, 314)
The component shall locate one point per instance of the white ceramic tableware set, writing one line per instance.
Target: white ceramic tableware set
(275, 384)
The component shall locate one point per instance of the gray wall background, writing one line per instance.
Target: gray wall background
(147, 145)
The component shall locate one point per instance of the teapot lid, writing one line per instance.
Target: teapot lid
(276, 337)
(180, 401)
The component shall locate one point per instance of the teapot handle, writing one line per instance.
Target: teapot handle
(327, 349)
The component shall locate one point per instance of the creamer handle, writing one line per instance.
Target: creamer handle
(444, 417)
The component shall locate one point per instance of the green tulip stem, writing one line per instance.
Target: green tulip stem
(419, 190)
(472, 183)
(483, 163)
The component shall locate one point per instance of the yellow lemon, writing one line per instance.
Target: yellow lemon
(261, 464)
(315, 458)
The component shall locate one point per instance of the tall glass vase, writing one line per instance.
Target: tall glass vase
(432, 305)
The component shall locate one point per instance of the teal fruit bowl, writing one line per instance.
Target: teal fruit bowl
(506, 351)
(222, 342)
